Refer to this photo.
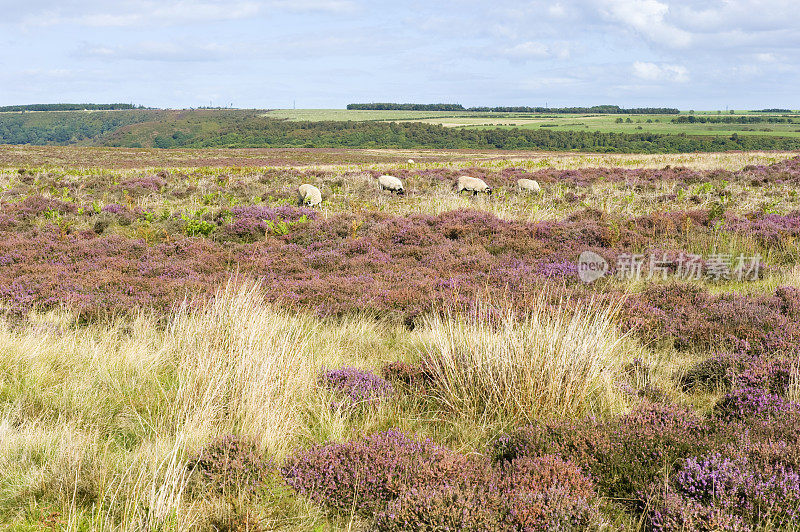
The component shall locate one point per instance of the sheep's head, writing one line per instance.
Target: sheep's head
(488, 191)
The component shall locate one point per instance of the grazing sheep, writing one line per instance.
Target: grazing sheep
(391, 183)
(411, 161)
(472, 184)
(308, 195)
(528, 185)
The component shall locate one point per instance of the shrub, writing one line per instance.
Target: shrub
(775, 376)
(756, 493)
(231, 463)
(625, 456)
(743, 403)
(412, 375)
(674, 512)
(718, 371)
(692, 318)
(364, 475)
(357, 386)
(542, 493)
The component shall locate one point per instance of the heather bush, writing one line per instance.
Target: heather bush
(692, 318)
(755, 494)
(144, 184)
(674, 512)
(408, 484)
(356, 386)
(775, 376)
(625, 455)
(543, 493)
(742, 403)
(364, 475)
(231, 463)
(404, 374)
(719, 371)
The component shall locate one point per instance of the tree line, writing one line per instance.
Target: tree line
(691, 119)
(63, 128)
(68, 107)
(238, 131)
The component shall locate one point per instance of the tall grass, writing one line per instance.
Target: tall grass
(242, 366)
(97, 422)
(552, 362)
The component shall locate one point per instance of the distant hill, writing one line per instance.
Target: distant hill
(68, 107)
(601, 109)
(67, 127)
(235, 128)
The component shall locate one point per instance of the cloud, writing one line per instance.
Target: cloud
(660, 72)
(527, 50)
(332, 6)
(157, 51)
(530, 51)
(131, 13)
(649, 19)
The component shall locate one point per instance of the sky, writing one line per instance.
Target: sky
(690, 54)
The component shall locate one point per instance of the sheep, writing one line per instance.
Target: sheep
(472, 184)
(308, 195)
(528, 185)
(391, 183)
(411, 161)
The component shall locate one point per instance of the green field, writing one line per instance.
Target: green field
(606, 123)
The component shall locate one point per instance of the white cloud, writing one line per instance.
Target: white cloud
(527, 50)
(158, 51)
(333, 6)
(533, 50)
(649, 19)
(129, 13)
(557, 10)
(660, 72)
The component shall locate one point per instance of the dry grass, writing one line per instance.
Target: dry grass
(551, 363)
(98, 421)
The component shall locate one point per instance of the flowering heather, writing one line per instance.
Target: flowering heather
(741, 488)
(624, 455)
(742, 403)
(674, 512)
(769, 229)
(775, 376)
(114, 208)
(357, 386)
(144, 184)
(408, 484)
(364, 475)
(691, 317)
(542, 493)
(713, 478)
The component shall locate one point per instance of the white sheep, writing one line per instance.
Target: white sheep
(528, 185)
(472, 184)
(391, 183)
(308, 195)
(411, 161)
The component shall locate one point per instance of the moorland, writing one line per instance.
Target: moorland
(182, 346)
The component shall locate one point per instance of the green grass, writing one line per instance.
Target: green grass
(605, 123)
